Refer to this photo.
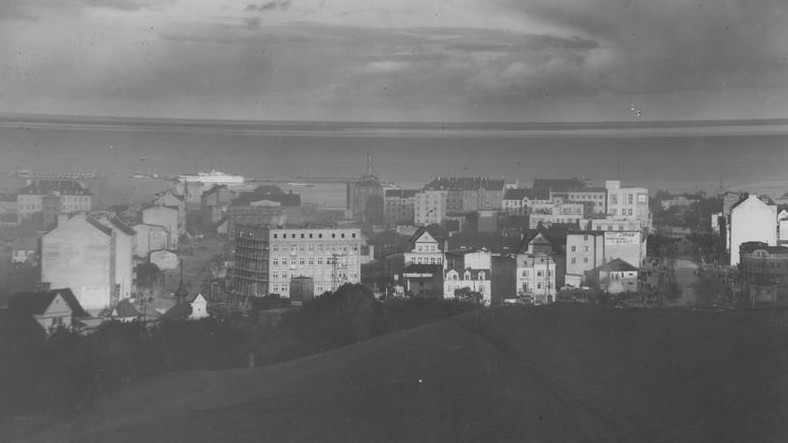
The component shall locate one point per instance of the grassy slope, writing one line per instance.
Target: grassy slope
(553, 374)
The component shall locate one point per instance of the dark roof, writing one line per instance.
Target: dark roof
(97, 224)
(436, 231)
(214, 189)
(423, 269)
(7, 197)
(617, 265)
(285, 199)
(401, 193)
(64, 187)
(465, 184)
(121, 226)
(178, 312)
(126, 309)
(37, 302)
(515, 194)
(543, 186)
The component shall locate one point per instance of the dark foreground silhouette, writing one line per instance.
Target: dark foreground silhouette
(514, 374)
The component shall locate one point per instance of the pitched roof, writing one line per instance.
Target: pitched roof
(436, 231)
(98, 225)
(126, 309)
(752, 246)
(37, 302)
(64, 187)
(617, 265)
(401, 193)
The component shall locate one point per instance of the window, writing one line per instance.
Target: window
(574, 260)
(540, 273)
(574, 249)
(585, 249)
(585, 260)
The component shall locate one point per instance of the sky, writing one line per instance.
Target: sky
(403, 60)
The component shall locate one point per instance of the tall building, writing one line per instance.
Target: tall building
(431, 207)
(166, 216)
(266, 259)
(540, 267)
(399, 206)
(469, 194)
(90, 258)
(627, 203)
(752, 220)
(71, 197)
(365, 197)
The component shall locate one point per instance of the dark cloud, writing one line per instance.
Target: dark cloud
(269, 6)
(676, 45)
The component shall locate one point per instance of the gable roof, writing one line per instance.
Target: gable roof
(98, 225)
(126, 309)
(34, 303)
(436, 231)
(617, 265)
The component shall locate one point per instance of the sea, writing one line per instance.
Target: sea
(674, 156)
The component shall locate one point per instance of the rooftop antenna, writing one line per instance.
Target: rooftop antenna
(369, 163)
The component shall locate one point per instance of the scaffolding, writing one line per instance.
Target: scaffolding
(248, 275)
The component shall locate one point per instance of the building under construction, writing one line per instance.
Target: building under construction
(248, 274)
(267, 259)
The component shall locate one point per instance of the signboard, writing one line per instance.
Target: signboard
(622, 238)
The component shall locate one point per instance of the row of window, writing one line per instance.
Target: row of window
(326, 274)
(313, 235)
(312, 248)
(311, 260)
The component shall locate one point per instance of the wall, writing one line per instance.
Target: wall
(79, 256)
(752, 220)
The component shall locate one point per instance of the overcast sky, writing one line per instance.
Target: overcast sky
(397, 60)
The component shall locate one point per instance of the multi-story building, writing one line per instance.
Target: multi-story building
(399, 206)
(593, 199)
(515, 201)
(125, 244)
(213, 205)
(73, 197)
(608, 224)
(469, 194)
(587, 250)
(627, 203)
(763, 264)
(88, 257)
(540, 266)
(468, 269)
(431, 207)
(427, 246)
(752, 220)
(266, 259)
(547, 214)
(365, 197)
(166, 216)
(150, 238)
(170, 199)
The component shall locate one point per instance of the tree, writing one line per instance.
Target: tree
(467, 295)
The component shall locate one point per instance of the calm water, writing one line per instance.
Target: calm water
(407, 157)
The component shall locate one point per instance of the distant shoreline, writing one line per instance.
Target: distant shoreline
(723, 128)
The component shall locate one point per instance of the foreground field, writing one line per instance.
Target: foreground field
(550, 374)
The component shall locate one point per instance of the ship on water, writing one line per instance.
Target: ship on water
(212, 177)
